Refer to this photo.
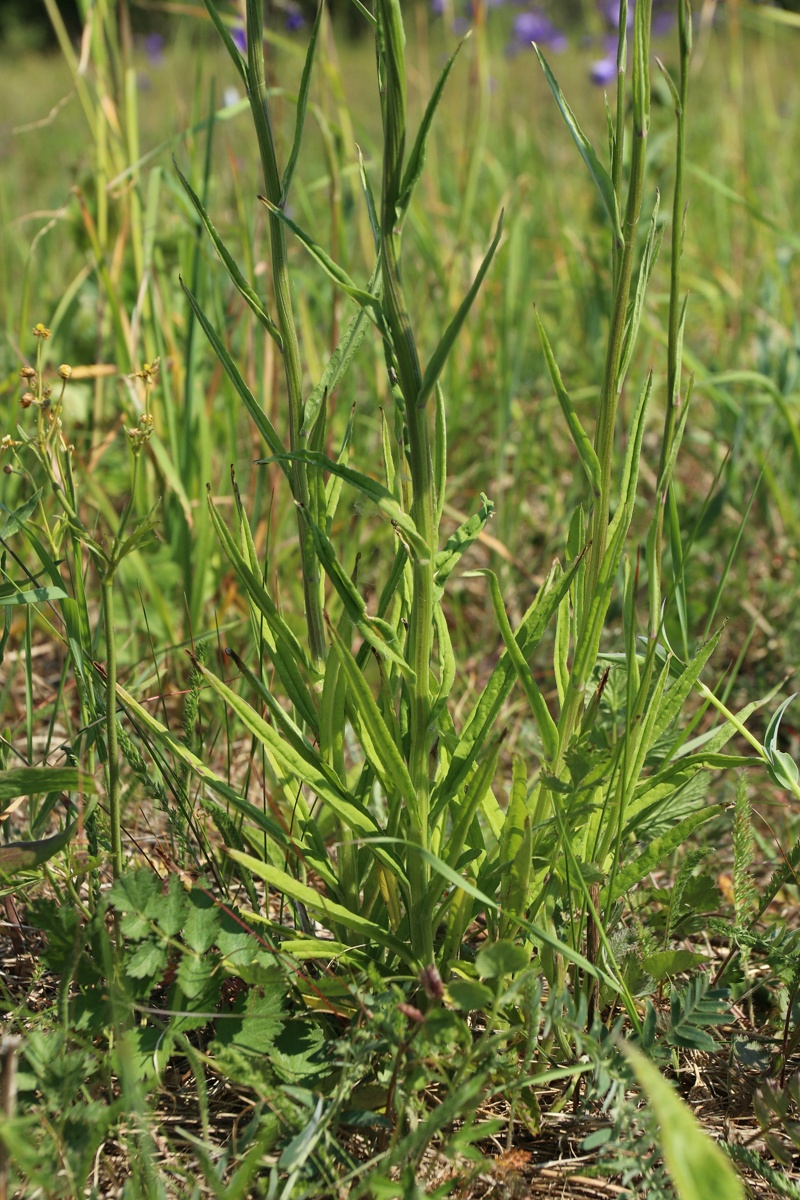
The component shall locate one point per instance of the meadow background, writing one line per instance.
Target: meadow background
(96, 234)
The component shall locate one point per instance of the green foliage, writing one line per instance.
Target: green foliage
(372, 846)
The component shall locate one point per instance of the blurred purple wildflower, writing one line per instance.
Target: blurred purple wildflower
(534, 26)
(604, 71)
(437, 7)
(239, 35)
(154, 49)
(295, 20)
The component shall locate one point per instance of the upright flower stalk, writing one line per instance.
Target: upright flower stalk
(423, 505)
(290, 348)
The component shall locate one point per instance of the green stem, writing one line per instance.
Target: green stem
(673, 381)
(112, 746)
(423, 508)
(259, 105)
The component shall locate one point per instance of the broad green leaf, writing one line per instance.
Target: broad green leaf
(501, 958)
(33, 781)
(11, 594)
(442, 351)
(583, 444)
(25, 856)
(674, 699)
(240, 283)
(598, 172)
(16, 519)
(469, 996)
(664, 963)
(699, 1169)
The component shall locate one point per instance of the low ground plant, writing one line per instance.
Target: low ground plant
(394, 909)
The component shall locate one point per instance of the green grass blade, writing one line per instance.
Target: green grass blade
(331, 912)
(302, 104)
(263, 424)
(583, 444)
(597, 171)
(442, 351)
(240, 283)
(415, 164)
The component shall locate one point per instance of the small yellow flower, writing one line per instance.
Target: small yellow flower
(65, 370)
(40, 330)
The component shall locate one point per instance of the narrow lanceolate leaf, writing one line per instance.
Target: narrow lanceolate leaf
(24, 856)
(339, 361)
(33, 781)
(286, 652)
(375, 631)
(146, 720)
(658, 850)
(442, 351)
(229, 43)
(390, 765)
(673, 701)
(263, 424)
(316, 902)
(483, 718)
(371, 304)
(515, 845)
(597, 171)
(652, 246)
(548, 730)
(447, 558)
(583, 443)
(416, 159)
(355, 818)
(302, 104)
(698, 1167)
(237, 278)
(11, 594)
(372, 489)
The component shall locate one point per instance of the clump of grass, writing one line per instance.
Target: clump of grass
(439, 878)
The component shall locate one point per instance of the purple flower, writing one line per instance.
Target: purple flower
(437, 7)
(239, 35)
(534, 26)
(294, 20)
(604, 71)
(154, 49)
(662, 22)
